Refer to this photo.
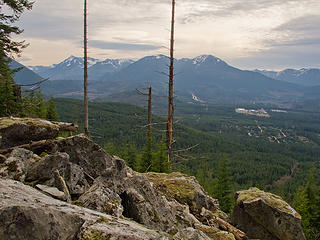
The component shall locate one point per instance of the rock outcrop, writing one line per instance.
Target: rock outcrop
(266, 216)
(19, 131)
(110, 200)
(27, 214)
(186, 190)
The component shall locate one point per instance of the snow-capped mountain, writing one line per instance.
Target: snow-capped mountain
(207, 77)
(69, 69)
(303, 76)
(205, 59)
(72, 68)
(107, 67)
(204, 78)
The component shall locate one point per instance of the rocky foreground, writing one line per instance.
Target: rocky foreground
(71, 189)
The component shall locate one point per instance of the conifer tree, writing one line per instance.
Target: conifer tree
(29, 105)
(110, 148)
(160, 159)
(9, 104)
(301, 204)
(15, 8)
(222, 188)
(41, 110)
(146, 159)
(132, 157)
(8, 101)
(307, 203)
(52, 114)
(129, 154)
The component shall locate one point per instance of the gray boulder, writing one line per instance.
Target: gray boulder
(19, 131)
(52, 191)
(266, 216)
(191, 234)
(17, 164)
(186, 190)
(43, 172)
(102, 199)
(25, 213)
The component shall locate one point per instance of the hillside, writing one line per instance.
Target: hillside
(25, 75)
(255, 160)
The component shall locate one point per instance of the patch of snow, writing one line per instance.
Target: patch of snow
(195, 98)
(204, 58)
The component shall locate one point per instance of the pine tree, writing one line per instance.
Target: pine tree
(41, 110)
(129, 154)
(52, 114)
(110, 148)
(132, 156)
(30, 105)
(160, 159)
(146, 159)
(307, 203)
(301, 204)
(14, 10)
(222, 188)
(9, 104)
(9, 101)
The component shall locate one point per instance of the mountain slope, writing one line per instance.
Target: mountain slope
(25, 75)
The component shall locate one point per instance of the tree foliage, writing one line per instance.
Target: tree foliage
(222, 188)
(307, 203)
(52, 114)
(9, 104)
(9, 91)
(16, 8)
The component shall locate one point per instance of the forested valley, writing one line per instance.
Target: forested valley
(212, 143)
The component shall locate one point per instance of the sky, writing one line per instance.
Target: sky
(248, 34)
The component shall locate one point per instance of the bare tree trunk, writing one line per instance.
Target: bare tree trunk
(149, 112)
(86, 119)
(170, 96)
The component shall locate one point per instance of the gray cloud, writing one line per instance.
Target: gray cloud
(281, 57)
(51, 27)
(122, 46)
(302, 31)
(138, 26)
(222, 8)
(304, 24)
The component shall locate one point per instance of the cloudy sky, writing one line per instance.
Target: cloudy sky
(268, 34)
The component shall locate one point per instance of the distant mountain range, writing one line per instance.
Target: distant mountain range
(305, 77)
(202, 79)
(72, 68)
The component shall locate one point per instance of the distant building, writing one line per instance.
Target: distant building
(260, 112)
(279, 111)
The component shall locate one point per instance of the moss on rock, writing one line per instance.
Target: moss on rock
(95, 235)
(174, 186)
(272, 200)
(37, 122)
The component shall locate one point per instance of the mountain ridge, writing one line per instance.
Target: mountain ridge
(304, 76)
(207, 77)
